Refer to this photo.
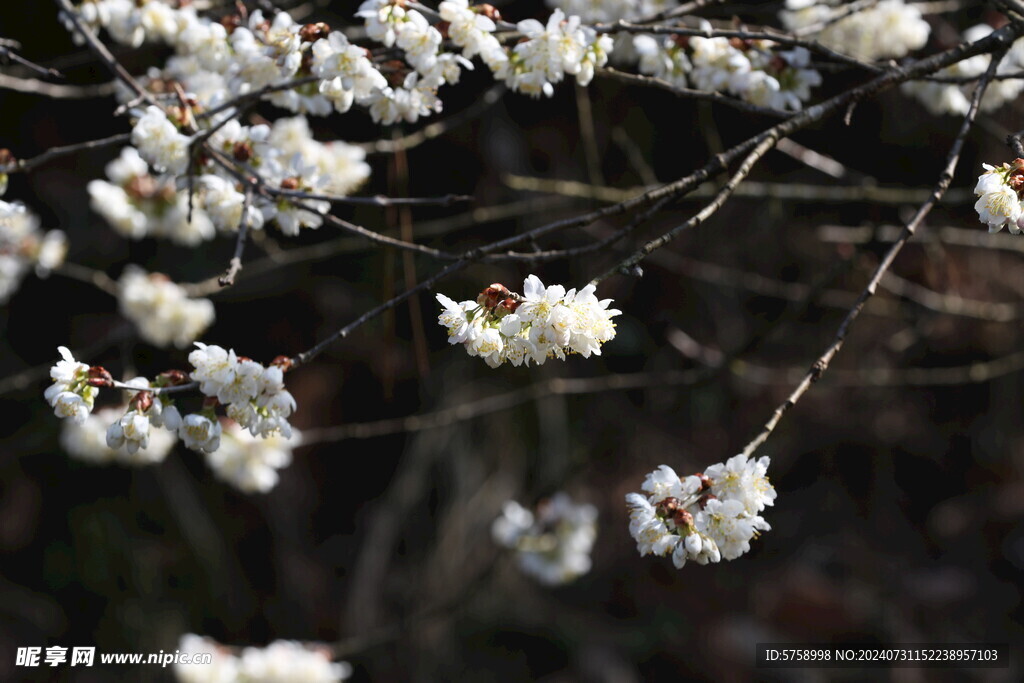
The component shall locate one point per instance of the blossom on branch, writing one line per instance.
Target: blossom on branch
(704, 517)
(543, 322)
(71, 395)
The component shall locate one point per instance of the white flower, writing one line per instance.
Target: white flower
(665, 483)
(651, 533)
(543, 322)
(130, 431)
(71, 405)
(998, 204)
(730, 526)
(160, 143)
(214, 367)
(454, 318)
(200, 433)
(703, 518)
(70, 395)
(552, 546)
(744, 480)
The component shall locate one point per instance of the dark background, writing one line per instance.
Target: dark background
(899, 511)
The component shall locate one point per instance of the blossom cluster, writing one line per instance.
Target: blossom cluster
(255, 400)
(543, 322)
(254, 395)
(890, 28)
(955, 98)
(999, 192)
(24, 245)
(552, 545)
(161, 310)
(138, 204)
(703, 517)
(751, 70)
(281, 660)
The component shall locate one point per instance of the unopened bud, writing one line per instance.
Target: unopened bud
(142, 401)
(231, 22)
(172, 378)
(489, 11)
(667, 507)
(283, 362)
(99, 377)
(242, 151)
(492, 295)
(290, 183)
(509, 305)
(313, 32)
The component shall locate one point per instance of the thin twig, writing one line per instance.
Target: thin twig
(22, 165)
(998, 40)
(34, 86)
(821, 364)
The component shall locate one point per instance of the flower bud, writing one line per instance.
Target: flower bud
(99, 377)
(283, 362)
(141, 401)
(313, 32)
(172, 378)
(489, 11)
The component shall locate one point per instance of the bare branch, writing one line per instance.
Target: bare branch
(823, 361)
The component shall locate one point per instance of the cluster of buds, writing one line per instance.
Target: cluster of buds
(705, 517)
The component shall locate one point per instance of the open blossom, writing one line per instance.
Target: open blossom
(200, 432)
(159, 141)
(701, 518)
(254, 395)
(553, 545)
(131, 431)
(70, 395)
(564, 46)
(998, 192)
(544, 322)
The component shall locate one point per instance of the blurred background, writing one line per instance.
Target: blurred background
(899, 476)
